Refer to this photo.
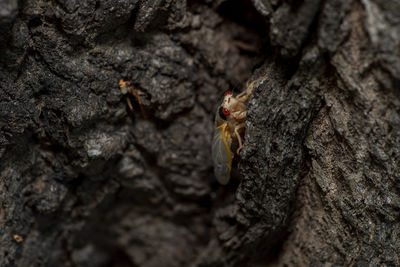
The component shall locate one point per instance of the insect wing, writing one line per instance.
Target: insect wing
(222, 156)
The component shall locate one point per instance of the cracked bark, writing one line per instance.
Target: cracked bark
(86, 183)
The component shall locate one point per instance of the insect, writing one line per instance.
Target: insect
(229, 128)
(128, 88)
(18, 238)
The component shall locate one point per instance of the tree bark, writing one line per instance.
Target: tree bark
(86, 182)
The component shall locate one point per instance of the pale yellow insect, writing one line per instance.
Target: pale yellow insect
(229, 128)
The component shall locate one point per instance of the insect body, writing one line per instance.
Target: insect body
(128, 88)
(229, 123)
(229, 128)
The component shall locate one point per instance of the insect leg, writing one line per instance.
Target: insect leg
(237, 127)
(133, 92)
(239, 115)
(130, 104)
(243, 96)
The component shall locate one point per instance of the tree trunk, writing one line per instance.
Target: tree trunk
(85, 181)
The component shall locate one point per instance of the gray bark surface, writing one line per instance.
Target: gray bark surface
(84, 182)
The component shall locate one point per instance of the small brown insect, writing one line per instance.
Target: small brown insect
(128, 88)
(18, 238)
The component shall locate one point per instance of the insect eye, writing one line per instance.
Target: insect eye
(225, 111)
(228, 93)
(221, 114)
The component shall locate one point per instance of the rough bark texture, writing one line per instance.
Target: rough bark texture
(86, 183)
